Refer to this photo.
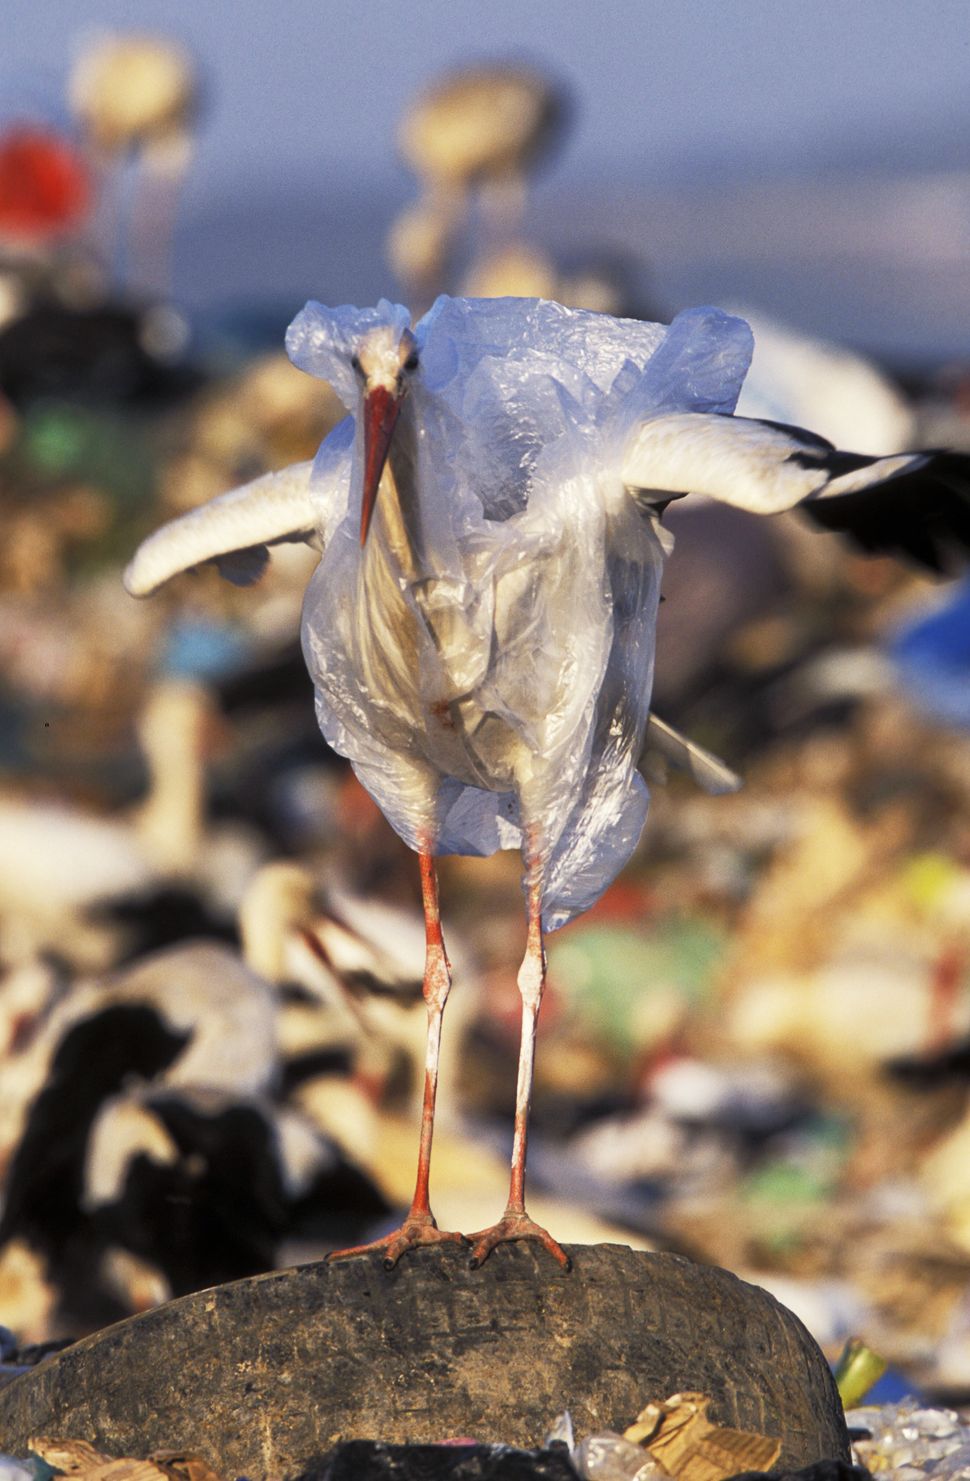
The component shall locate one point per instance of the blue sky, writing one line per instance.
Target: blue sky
(313, 88)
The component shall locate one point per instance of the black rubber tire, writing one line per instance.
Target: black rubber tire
(263, 1376)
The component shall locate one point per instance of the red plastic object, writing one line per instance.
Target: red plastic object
(45, 189)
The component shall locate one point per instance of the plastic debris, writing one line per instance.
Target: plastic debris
(909, 1442)
(370, 1460)
(44, 186)
(12, 1469)
(931, 653)
(561, 1432)
(672, 1438)
(609, 1457)
(857, 1371)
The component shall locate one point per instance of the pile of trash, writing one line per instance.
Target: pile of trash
(908, 1442)
(669, 1439)
(673, 1439)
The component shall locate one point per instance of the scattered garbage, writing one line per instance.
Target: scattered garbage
(673, 1438)
(907, 1441)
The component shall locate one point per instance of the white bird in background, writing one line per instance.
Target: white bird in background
(480, 629)
(136, 98)
(476, 134)
(796, 377)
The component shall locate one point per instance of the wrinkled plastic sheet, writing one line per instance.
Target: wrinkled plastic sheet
(495, 694)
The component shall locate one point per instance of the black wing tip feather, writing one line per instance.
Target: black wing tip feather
(921, 516)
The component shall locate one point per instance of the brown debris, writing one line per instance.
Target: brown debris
(681, 1439)
(78, 1458)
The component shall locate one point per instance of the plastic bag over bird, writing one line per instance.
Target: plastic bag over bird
(489, 676)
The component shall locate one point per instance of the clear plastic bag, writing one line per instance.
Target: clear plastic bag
(492, 685)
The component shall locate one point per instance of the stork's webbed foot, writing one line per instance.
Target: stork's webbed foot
(417, 1229)
(514, 1224)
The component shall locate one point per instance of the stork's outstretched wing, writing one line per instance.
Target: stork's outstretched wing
(303, 502)
(913, 504)
(923, 512)
(233, 530)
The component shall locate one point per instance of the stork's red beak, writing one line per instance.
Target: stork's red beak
(381, 408)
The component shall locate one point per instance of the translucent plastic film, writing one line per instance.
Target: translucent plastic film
(485, 659)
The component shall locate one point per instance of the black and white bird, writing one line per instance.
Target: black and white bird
(349, 973)
(145, 1145)
(480, 629)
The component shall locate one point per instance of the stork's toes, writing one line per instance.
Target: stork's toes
(514, 1225)
(417, 1229)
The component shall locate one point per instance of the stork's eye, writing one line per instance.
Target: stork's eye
(355, 365)
(411, 363)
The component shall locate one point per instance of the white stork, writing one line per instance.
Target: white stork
(480, 629)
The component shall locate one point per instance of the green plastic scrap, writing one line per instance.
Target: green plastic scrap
(857, 1371)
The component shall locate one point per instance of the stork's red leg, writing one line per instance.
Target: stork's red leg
(419, 1227)
(515, 1222)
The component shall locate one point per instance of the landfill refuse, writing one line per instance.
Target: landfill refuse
(908, 1441)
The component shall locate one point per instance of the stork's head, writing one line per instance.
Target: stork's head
(369, 356)
(383, 365)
